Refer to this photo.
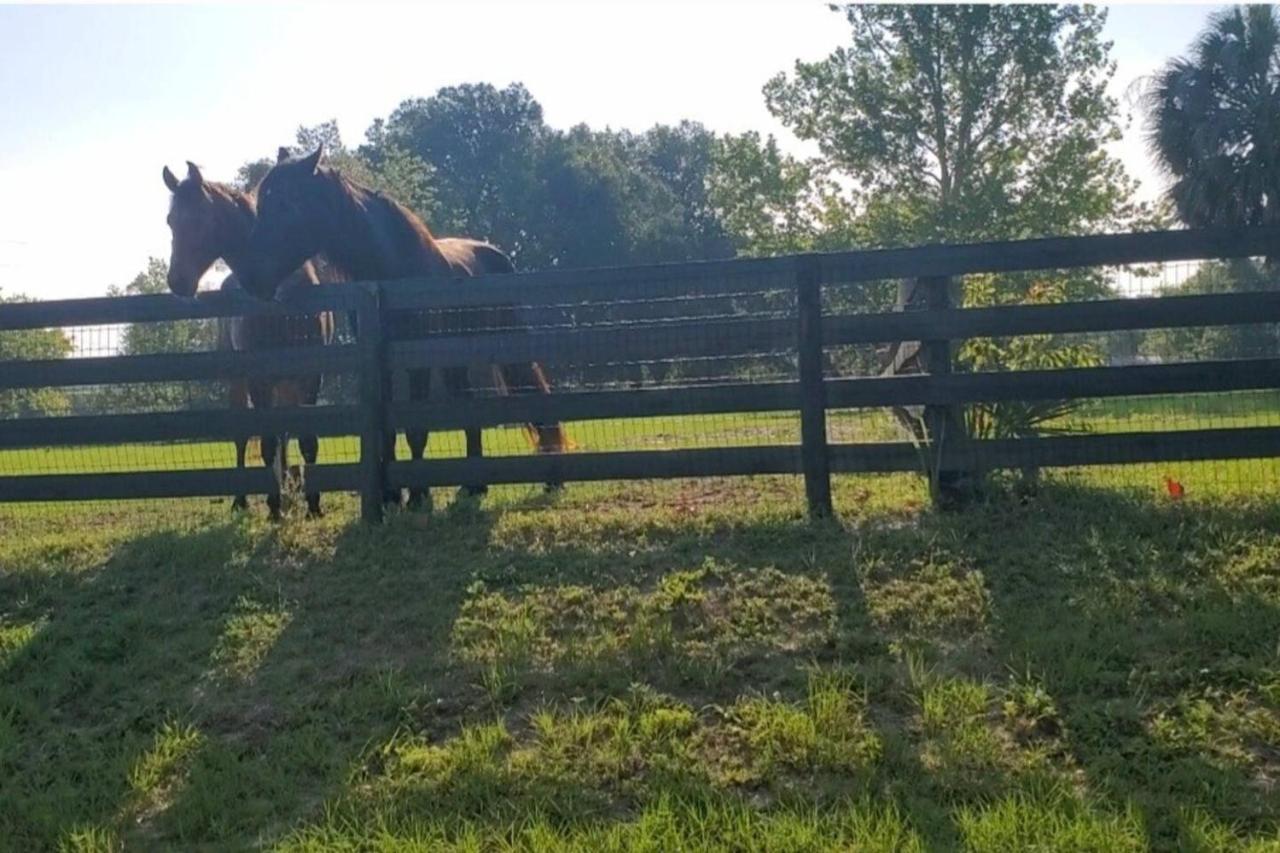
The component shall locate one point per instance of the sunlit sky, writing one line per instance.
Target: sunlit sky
(95, 100)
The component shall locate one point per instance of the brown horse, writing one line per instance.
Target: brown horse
(210, 221)
(307, 209)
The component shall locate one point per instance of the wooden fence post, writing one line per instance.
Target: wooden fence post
(372, 346)
(813, 391)
(944, 424)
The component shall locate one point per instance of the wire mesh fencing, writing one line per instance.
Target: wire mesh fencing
(693, 374)
(1233, 350)
(60, 431)
(633, 355)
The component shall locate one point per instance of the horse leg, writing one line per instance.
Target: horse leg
(238, 399)
(390, 496)
(284, 473)
(417, 441)
(296, 392)
(528, 378)
(459, 386)
(271, 461)
(240, 502)
(309, 445)
(419, 392)
(272, 449)
(475, 450)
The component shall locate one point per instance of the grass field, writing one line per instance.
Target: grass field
(657, 666)
(1203, 411)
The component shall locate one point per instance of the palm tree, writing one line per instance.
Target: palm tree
(1214, 122)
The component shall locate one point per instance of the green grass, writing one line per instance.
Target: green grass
(656, 666)
(622, 433)
(1202, 411)
(688, 665)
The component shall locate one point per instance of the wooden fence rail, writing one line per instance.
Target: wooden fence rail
(802, 338)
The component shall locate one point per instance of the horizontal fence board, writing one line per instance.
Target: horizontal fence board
(109, 310)
(583, 467)
(178, 426)
(178, 367)
(1067, 383)
(661, 280)
(1049, 253)
(1069, 450)
(1130, 447)
(861, 392)
(1158, 312)
(166, 484)
(601, 345)
(597, 405)
(570, 287)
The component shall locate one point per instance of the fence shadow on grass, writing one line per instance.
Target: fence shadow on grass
(1128, 612)
(284, 661)
(114, 654)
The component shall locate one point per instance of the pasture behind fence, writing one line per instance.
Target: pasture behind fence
(811, 365)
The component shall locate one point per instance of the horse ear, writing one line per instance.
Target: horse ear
(193, 173)
(282, 155)
(170, 180)
(312, 161)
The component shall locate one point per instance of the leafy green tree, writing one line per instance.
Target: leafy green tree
(579, 197)
(179, 336)
(682, 158)
(1219, 342)
(482, 144)
(149, 338)
(32, 345)
(391, 170)
(584, 185)
(764, 198)
(1214, 125)
(250, 174)
(1018, 419)
(970, 123)
(615, 197)
(958, 123)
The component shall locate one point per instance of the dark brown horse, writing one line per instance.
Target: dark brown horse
(210, 221)
(307, 209)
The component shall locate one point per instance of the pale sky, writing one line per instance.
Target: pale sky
(95, 100)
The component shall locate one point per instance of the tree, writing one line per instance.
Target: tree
(764, 198)
(970, 123)
(965, 123)
(388, 168)
(584, 200)
(178, 336)
(682, 158)
(32, 345)
(482, 144)
(1202, 343)
(1214, 122)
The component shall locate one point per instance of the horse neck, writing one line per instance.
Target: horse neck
(236, 215)
(371, 236)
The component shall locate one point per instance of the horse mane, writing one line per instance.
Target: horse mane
(401, 235)
(242, 200)
(362, 195)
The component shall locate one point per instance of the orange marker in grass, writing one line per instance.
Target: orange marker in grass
(1175, 489)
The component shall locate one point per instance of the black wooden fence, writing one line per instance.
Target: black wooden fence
(376, 357)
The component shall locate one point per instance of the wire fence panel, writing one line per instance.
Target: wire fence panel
(1056, 386)
(76, 422)
(938, 373)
